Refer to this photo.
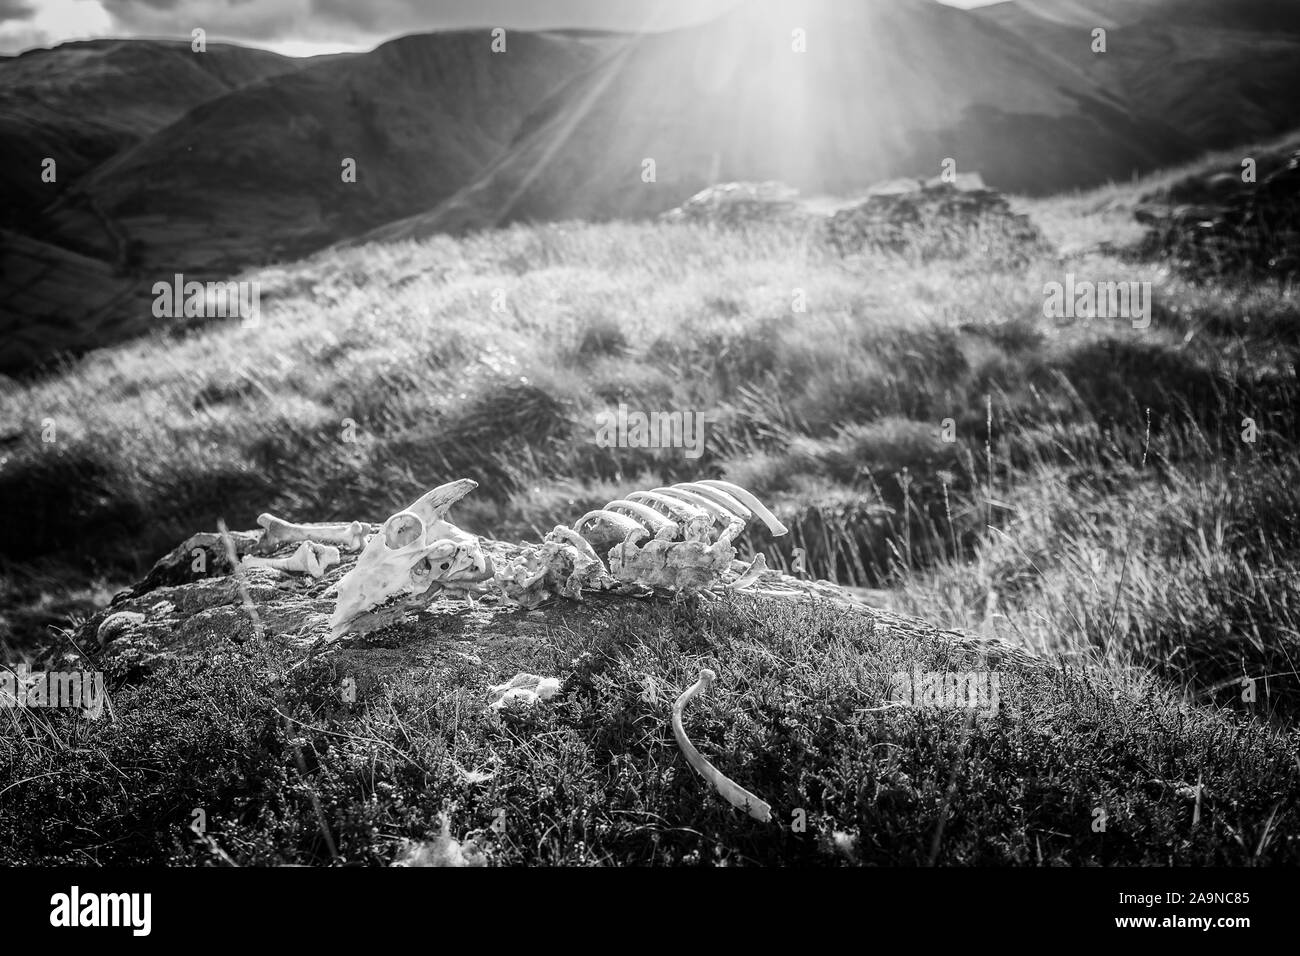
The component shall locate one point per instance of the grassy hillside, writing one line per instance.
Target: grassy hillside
(1072, 770)
(1098, 501)
(834, 414)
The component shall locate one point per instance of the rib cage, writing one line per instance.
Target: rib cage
(712, 505)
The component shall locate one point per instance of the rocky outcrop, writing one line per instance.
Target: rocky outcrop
(740, 204)
(191, 604)
(931, 219)
(935, 221)
(1220, 224)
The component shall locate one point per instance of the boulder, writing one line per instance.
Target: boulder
(935, 221)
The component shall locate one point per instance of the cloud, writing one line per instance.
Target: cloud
(15, 10)
(53, 21)
(350, 21)
(316, 26)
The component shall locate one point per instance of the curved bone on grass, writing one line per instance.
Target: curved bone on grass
(733, 792)
(719, 497)
(277, 531)
(718, 512)
(621, 522)
(679, 510)
(750, 502)
(652, 519)
(311, 558)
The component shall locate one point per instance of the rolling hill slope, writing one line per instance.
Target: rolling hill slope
(1220, 73)
(81, 103)
(883, 90)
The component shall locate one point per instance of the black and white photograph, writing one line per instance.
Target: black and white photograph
(853, 437)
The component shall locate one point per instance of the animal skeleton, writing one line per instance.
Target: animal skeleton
(688, 531)
(677, 538)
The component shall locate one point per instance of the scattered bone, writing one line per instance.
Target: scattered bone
(349, 537)
(735, 794)
(442, 850)
(311, 559)
(529, 688)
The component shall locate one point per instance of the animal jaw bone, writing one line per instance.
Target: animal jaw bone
(416, 554)
(311, 558)
(350, 536)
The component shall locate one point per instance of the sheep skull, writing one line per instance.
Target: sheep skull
(415, 554)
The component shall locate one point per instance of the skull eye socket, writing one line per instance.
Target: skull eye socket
(402, 529)
(445, 565)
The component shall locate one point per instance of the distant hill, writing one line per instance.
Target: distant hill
(1256, 15)
(81, 103)
(207, 184)
(256, 174)
(885, 89)
(1222, 72)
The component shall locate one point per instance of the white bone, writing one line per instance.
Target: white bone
(653, 520)
(749, 577)
(622, 523)
(416, 554)
(350, 536)
(750, 502)
(680, 510)
(310, 558)
(733, 792)
(713, 494)
(718, 512)
(530, 688)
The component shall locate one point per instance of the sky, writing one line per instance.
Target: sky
(307, 27)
